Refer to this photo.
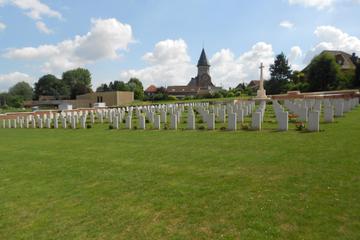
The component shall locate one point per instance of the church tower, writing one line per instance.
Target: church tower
(203, 64)
(203, 78)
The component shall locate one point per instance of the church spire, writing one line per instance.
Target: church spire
(203, 59)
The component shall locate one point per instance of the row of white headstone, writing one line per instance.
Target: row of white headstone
(309, 110)
(209, 114)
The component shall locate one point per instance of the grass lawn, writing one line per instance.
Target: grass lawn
(119, 184)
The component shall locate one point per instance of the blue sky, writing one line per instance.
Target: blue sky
(160, 41)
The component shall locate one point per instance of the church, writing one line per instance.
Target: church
(201, 85)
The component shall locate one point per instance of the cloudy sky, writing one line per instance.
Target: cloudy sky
(159, 41)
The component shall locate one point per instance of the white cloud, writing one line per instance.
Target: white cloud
(319, 4)
(168, 51)
(10, 79)
(260, 52)
(295, 58)
(35, 9)
(286, 24)
(2, 26)
(41, 26)
(169, 64)
(295, 53)
(105, 38)
(332, 38)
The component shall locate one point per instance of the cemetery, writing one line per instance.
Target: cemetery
(179, 120)
(236, 115)
(193, 170)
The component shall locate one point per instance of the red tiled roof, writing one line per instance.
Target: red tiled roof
(151, 89)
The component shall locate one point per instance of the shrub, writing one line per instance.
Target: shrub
(223, 128)
(135, 127)
(200, 121)
(230, 94)
(147, 121)
(300, 126)
(111, 127)
(201, 128)
(88, 126)
(172, 98)
(188, 98)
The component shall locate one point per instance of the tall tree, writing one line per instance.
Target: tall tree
(280, 75)
(120, 86)
(323, 73)
(354, 58)
(102, 88)
(78, 81)
(136, 86)
(356, 82)
(49, 85)
(22, 90)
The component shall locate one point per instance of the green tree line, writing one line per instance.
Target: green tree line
(322, 74)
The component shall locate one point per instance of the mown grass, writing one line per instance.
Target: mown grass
(119, 184)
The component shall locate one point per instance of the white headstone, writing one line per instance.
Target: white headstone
(339, 107)
(142, 122)
(232, 124)
(173, 122)
(211, 121)
(157, 122)
(240, 115)
(283, 121)
(256, 121)
(73, 122)
(191, 121)
(328, 114)
(128, 122)
(314, 119)
(116, 122)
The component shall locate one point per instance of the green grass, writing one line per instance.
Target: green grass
(9, 110)
(119, 184)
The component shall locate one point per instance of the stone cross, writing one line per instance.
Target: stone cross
(261, 93)
(261, 76)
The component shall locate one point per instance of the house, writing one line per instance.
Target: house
(343, 59)
(151, 90)
(254, 84)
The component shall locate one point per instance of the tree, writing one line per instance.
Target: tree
(22, 90)
(78, 81)
(356, 78)
(102, 88)
(49, 85)
(280, 75)
(8, 100)
(356, 82)
(120, 86)
(136, 86)
(323, 73)
(354, 58)
(4, 96)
